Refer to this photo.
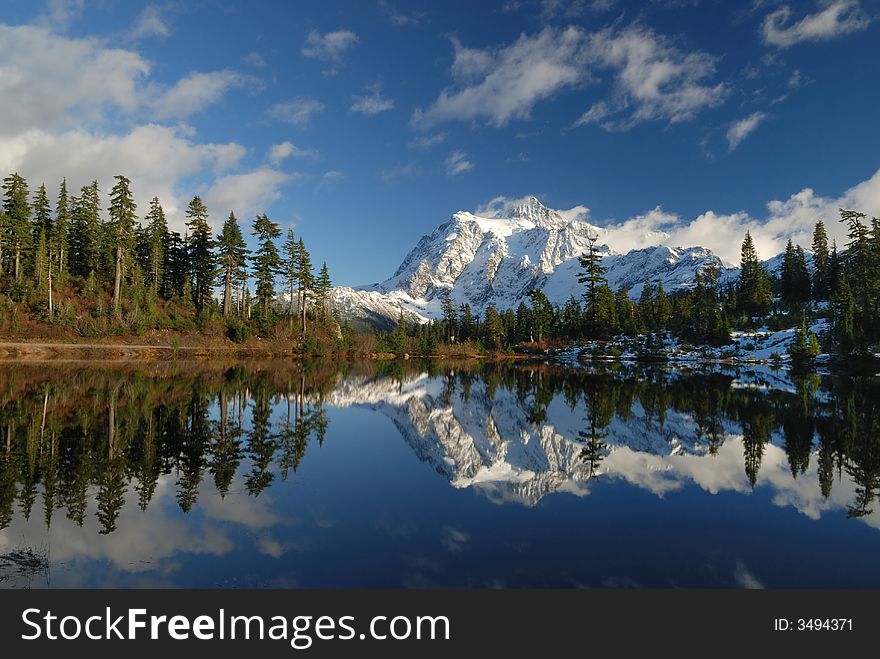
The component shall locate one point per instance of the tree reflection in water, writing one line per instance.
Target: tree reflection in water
(79, 438)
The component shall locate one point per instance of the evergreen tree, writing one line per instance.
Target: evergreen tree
(625, 310)
(201, 253)
(85, 231)
(447, 309)
(821, 263)
(804, 346)
(122, 220)
(753, 287)
(267, 262)
(290, 269)
(592, 274)
(323, 286)
(467, 328)
(305, 277)
(662, 307)
(233, 252)
(843, 317)
(493, 326)
(156, 238)
(42, 230)
(646, 307)
(542, 314)
(61, 227)
(17, 212)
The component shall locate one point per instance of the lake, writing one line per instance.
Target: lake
(475, 475)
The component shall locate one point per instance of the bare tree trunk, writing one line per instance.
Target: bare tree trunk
(117, 279)
(17, 262)
(227, 292)
(50, 288)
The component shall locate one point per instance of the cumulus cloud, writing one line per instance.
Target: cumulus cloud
(329, 47)
(60, 82)
(372, 102)
(510, 81)
(61, 13)
(154, 157)
(281, 152)
(79, 113)
(457, 163)
(150, 23)
(837, 18)
(651, 78)
(793, 218)
(247, 194)
(195, 92)
(297, 111)
(740, 130)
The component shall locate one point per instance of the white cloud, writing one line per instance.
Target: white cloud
(510, 81)
(329, 179)
(397, 17)
(154, 157)
(740, 130)
(150, 23)
(457, 163)
(427, 141)
(654, 80)
(255, 60)
(196, 91)
(246, 194)
(297, 111)
(329, 47)
(61, 13)
(793, 218)
(281, 152)
(835, 19)
(372, 102)
(61, 82)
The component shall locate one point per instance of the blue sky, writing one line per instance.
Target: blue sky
(366, 124)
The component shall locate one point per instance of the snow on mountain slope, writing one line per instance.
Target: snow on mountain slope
(497, 260)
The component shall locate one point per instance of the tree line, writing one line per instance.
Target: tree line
(54, 259)
(841, 286)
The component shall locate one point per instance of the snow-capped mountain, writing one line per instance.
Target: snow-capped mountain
(497, 260)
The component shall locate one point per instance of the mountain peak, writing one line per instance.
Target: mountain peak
(527, 208)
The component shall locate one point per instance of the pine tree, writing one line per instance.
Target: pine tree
(625, 310)
(305, 277)
(843, 317)
(592, 274)
(156, 236)
(323, 286)
(122, 220)
(493, 327)
(804, 346)
(646, 307)
(201, 252)
(17, 211)
(61, 226)
(233, 252)
(821, 263)
(85, 231)
(786, 275)
(467, 325)
(267, 262)
(447, 309)
(662, 307)
(290, 269)
(42, 230)
(753, 287)
(542, 314)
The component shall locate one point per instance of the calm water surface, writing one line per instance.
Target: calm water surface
(284, 475)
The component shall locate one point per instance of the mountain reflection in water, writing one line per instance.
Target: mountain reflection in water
(148, 467)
